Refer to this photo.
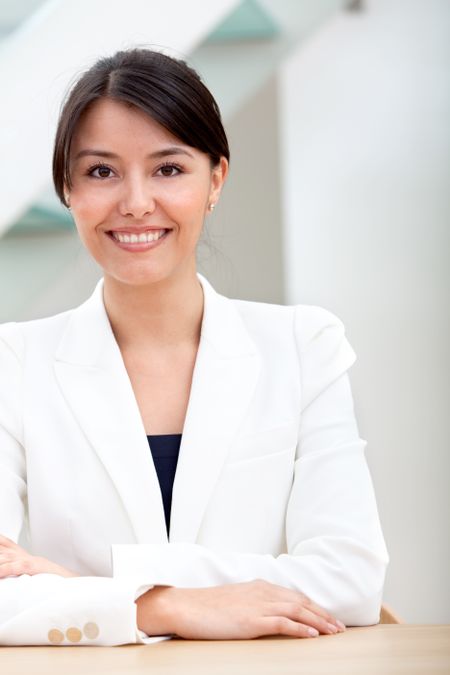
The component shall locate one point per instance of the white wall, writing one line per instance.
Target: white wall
(43, 274)
(242, 255)
(366, 169)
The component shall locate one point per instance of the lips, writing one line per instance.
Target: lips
(137, 237)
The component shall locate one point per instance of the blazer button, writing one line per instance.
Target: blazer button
(73, 634)
(91, 630)
(55, 637)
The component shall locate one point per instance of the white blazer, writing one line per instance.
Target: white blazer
(271, 481)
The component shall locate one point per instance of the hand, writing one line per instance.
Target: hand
(232, 612)
(15, 560)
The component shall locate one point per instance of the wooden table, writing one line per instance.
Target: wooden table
(375, 650)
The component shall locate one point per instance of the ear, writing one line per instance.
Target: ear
(218, 177)
(66, 192)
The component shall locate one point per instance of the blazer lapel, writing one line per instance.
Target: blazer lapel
(224, 380)
(93, 379)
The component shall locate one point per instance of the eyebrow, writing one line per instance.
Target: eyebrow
(165, 152)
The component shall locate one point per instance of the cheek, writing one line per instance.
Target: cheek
(92, 204)
(188, 206)
(89, 211)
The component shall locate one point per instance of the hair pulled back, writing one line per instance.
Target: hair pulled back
(165, 88)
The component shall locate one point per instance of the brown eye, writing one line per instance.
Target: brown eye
(104, 172)
(169, 170)
(100, 172)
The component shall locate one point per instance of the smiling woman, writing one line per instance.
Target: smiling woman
(127, 199)
(177, 462)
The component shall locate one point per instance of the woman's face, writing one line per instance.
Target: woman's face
(139, 195)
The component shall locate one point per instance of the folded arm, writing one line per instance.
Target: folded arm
(336, 553)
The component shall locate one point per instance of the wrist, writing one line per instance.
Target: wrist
(43, 565)
(155, 611)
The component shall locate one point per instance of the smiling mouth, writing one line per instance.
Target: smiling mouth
(137, 237)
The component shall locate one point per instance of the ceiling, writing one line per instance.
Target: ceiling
(14, 12)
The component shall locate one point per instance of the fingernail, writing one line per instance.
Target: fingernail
(313, 632)
(332, 627)
(341, 625)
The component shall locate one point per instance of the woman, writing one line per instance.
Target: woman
(270, 524)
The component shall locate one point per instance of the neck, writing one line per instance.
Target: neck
(165, 313)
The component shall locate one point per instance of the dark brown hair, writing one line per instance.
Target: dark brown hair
(166, 89)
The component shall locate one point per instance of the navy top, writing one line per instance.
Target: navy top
(165, 450)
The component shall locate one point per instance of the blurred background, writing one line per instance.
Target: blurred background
(338, 115)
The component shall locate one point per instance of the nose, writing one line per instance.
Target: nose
(137, 199)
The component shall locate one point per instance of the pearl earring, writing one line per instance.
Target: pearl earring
(211, 207)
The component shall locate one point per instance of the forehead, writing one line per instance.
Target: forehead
(107, 121)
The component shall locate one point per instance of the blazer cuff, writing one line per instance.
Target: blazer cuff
(47, 609)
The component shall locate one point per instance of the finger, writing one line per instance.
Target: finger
(275, 593)
(8, 554)
(281, 594)
(299, 613)
(320, 611)
(8, 543)
(281, 625)
(14, 568)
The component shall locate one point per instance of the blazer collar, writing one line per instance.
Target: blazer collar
(222, 325)
(94, 381)
(89, 340)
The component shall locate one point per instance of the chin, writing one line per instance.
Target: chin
(139, 277)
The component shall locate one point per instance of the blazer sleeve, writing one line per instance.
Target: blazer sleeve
(40, 609)
(335, 549)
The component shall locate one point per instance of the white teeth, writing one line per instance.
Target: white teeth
(142, 238)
